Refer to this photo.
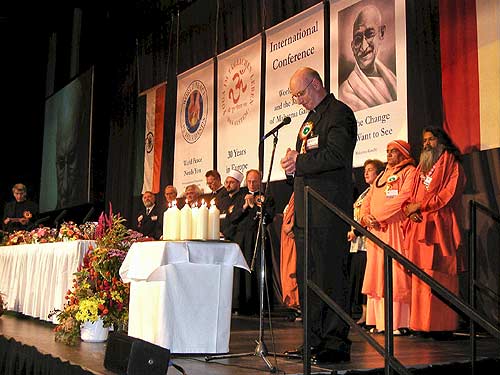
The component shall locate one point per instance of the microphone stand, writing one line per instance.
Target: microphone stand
(261, 348)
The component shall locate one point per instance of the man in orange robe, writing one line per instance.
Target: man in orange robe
(433, 235)
(288, 266)
(381, 212)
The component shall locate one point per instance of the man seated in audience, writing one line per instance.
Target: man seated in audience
(150, 218)
(19, 214)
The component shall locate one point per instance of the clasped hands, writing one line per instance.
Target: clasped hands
(371, 221)
(288, 162)
(412, 211)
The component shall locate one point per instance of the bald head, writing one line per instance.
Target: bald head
(307, 88)
(367, 33)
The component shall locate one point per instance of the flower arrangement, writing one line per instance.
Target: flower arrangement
(18, 237)
(43, 235)
(3, 306)
(98, 292)
(69, 231)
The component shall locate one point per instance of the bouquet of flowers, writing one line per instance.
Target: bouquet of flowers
(19, 237)
(3, 306)
(43, 235)
(69, 231)
(98, 292)
(88, 230)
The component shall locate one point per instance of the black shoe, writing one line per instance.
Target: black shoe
(327, 356)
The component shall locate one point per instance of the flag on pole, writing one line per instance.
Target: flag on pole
(153, 140)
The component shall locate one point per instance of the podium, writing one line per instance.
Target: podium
(180, 293)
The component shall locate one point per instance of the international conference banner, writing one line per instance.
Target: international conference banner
(368, 70)
(238, 111)
(194, 150)
(295, 43)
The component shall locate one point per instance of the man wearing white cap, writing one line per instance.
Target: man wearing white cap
(232, 185)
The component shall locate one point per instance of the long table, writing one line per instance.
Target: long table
(35, 277)
(180, 293)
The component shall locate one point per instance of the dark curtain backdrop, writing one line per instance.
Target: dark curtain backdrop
(185, 38)
(175, 40)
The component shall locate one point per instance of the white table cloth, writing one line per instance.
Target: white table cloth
(36, 277)
(180, 293)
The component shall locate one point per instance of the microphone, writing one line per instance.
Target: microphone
(89, 214)
(285, 121)
(59, 217)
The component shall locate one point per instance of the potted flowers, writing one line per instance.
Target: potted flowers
(98, 296)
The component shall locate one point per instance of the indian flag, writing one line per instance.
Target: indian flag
(153, 139)
(470, 64)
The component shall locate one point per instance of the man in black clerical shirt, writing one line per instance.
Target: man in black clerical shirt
(322, 159)
(19, 214)
(245, 216)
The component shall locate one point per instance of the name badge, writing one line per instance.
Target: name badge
(154, 218)
(427, 181)
(222, 216)
(391, 193)
(312, 143)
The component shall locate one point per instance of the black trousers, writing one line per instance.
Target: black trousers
(328, 255)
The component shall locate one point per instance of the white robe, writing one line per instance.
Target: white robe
(359, 91)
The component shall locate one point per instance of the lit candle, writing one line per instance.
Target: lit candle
(213, 221)
(202, 223)
(194, 222)
(186, 218)
(172, 223)
(165, 222)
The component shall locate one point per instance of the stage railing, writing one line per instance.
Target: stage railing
(474, 284)
(391, 363)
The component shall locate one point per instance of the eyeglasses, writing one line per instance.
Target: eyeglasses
(368, 34)
(392, 151)
(298, 94)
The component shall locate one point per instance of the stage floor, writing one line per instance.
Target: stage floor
(412, 351)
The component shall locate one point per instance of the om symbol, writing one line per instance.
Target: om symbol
(240, 86)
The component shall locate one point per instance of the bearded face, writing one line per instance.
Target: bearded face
(429, 155)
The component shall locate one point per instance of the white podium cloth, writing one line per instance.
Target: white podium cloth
(180, 293)
(36, 277)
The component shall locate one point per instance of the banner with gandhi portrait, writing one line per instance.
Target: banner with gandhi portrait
(239, 72)
(368, 70)
(194, 150)
(295, 43)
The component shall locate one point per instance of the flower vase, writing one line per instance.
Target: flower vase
(94, 331)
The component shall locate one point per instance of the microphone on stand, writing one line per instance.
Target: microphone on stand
(89, 214)
(59, 217)
(285, 121)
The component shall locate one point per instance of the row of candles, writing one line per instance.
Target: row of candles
(191, 223)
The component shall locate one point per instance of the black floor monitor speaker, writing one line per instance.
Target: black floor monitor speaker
(133, 356)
